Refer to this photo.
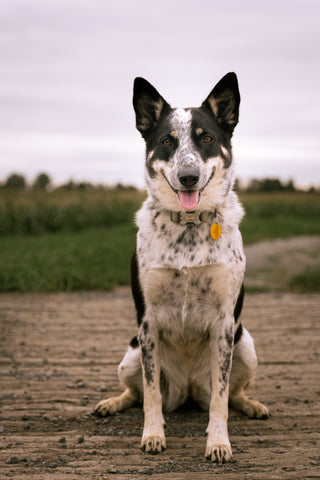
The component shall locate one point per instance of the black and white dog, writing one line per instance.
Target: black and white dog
(187, 272)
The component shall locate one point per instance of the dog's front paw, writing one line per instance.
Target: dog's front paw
(218, 453)
(153, 444)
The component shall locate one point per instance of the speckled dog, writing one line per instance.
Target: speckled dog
(187, 272)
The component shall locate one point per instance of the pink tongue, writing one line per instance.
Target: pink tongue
(189, 199)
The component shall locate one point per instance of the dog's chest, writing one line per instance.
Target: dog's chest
(184, 304)
(164, 244)
(188, 279)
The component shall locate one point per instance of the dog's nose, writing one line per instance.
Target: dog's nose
(189, 178)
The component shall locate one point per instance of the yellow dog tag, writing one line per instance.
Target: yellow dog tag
(215, 231)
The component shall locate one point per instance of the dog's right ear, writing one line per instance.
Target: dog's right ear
(148, 105)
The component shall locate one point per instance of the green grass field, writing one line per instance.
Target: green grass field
(83, 240)
(308, 281)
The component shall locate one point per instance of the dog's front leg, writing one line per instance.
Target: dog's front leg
(153, 438)
(221, 347)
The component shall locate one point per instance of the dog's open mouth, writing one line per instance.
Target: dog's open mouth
(189, 199)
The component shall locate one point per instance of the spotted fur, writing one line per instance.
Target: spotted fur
(188, 287)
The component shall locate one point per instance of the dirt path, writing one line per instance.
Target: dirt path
(271, 264)
(59, 357)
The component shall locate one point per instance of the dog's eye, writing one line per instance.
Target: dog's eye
(206, 139)
(166, 142)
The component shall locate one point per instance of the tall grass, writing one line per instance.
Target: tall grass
(268, 215)
(273, 215)
(34, 212)
(83, 240)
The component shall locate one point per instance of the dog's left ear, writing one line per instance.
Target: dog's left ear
(148, 105)
(224, 101)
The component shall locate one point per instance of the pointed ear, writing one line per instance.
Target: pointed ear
(224, 101)
(148, 105)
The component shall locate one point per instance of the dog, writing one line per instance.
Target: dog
(187, 272)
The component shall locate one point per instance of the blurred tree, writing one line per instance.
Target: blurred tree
(71, 185)
(85, 186)
(15, 180)
(290, 187)
(270, 185)
(122, 187)
(254, 185)
(42, 182)
(237, 187)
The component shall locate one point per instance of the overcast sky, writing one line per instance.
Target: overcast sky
(67, 68)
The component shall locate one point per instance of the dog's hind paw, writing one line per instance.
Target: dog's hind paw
(153, 444)
(219, 453)
(107, 407)
(255, 409)
(116, 404)
(258, 410)
(251, 408)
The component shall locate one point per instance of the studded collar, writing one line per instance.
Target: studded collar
(192, 218)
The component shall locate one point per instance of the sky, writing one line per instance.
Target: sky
(67, 70)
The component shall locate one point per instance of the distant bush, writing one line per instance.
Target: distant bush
(15, 180)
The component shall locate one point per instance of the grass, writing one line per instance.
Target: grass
(308, 281)
(88, 260)
(36, 212)
(276, 215)
(83, 240)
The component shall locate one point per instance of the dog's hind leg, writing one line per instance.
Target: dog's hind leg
(130, 374)
(244, 367)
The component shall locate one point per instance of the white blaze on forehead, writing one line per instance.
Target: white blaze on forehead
(181, 121)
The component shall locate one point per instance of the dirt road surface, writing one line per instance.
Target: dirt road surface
(59, 357)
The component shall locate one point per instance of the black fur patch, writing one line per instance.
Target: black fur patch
(238, 333)
(229, 339)
(188, 237)
(134, 342)
(226, 350)
(239, 304)
(147, 346)
(136, 288)
(237, 311)
(203, 119)
(224, 371)
(145, 326)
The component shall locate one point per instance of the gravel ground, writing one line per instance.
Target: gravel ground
(59, 356)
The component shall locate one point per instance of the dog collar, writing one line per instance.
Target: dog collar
(196, 218)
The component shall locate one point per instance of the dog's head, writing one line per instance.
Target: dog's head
(188, 150)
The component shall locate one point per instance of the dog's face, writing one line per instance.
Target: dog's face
(188, 150)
